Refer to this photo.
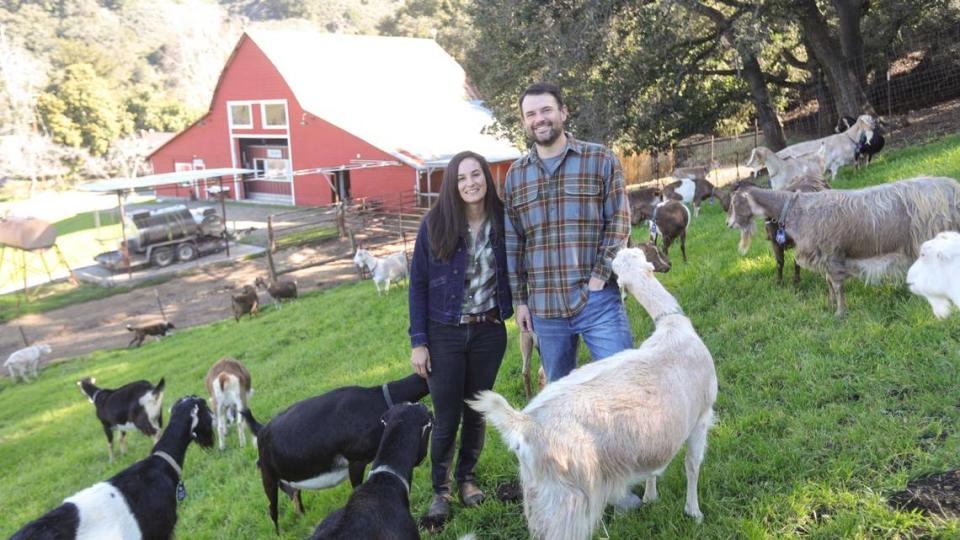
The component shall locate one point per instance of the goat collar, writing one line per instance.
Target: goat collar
(386, 469)
(678, 311)
(786, 208)
(166, 457)
(386, 395)
(94, 398)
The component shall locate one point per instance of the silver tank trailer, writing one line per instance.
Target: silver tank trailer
(172, 223)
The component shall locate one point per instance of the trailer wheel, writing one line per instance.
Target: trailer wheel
(162, 256)
(186, 251)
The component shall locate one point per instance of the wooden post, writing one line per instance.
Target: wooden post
(756, 133)
(23, 335)
(123, 235)
(736, 156)
(223, 212)
(271, 247)
(156, 293)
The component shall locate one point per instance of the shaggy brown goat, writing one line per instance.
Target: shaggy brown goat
(244, 302)
(871, 233)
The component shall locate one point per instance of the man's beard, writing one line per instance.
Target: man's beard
(549, 138)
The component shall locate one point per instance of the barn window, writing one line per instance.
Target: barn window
(240, 116)
(274, 115)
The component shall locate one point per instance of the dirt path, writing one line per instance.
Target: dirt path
(199, 298)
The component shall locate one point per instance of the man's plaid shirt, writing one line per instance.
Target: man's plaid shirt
(563, 229)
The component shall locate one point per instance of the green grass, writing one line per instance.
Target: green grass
(818, 419)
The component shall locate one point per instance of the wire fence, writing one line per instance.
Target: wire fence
(921, 73)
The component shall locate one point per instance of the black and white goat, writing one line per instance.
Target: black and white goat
(380, 508)
(868, 147)
(318, 442)
(140, 501)
(137, 405)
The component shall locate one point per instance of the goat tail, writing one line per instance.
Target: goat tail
(131, 329)
(158, 389)
(255, 426)
(514, 426)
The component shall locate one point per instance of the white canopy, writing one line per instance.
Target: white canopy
(153, 180)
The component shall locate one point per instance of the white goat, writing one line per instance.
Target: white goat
(385, 270)
(935, 275)
(587, 438)
(841, 148)
(27, 358)
(783, 171)
(228, 383)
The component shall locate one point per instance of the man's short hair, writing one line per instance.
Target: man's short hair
(541, 88)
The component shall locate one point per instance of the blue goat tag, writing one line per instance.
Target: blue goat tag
(653, 228)
(781, 237)
(181, 491)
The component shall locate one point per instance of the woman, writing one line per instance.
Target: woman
(459, 298)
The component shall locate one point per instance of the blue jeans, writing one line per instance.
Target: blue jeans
(602, 323)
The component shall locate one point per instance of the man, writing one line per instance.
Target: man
(566, 217)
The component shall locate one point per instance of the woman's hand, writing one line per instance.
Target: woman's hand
(420, 360)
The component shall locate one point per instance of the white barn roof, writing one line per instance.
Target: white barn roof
(406, 96)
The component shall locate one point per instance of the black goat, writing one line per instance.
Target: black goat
(318, 442)
(866, 149)
(140, 333)
(380, 508)
(140, 501)
(137, 405)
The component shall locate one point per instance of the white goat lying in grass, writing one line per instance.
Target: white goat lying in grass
(385, 270)
(588, 437)
(936, 273)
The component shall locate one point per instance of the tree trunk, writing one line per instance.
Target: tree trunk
(766, 115)
(851, 99)
(850, 13)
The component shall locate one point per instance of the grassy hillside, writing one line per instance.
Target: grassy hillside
(819, 419)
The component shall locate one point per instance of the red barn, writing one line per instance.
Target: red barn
(296, 100)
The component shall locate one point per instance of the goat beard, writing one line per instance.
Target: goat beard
(746, 236)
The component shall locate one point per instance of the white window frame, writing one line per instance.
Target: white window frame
(231, 105)
(263, 114)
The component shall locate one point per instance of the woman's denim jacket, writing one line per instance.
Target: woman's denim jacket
(436, 287)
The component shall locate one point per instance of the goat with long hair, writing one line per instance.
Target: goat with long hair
(588, 437)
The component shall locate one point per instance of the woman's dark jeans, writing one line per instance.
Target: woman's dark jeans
(464, 360)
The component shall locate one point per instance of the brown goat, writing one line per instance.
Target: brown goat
(669, 218)
(280, 290)
(692, 190)
(245, 302)
(229, 384)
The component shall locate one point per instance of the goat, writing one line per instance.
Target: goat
(868, 147)
(588, 437)
(380, 508)
(229, 384)
(871, 233)
(691, 186)
(26, 359)
(840, 148)
(935, 274)
(385, 270)
(316, 443)
(279, 290)
(137, 405)
(139, 502)
(157, 330)
(740, 216)
(669, 218)
(245, 302)
(784, 171)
